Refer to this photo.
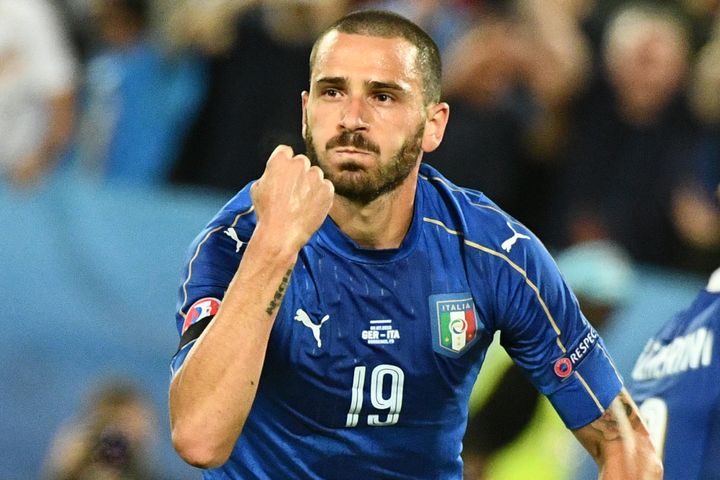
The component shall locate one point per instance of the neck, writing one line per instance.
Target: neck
(382, 223)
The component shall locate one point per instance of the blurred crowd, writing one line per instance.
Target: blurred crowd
(112, 438)
(595, 123)
(586, 120)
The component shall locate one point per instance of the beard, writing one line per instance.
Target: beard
(355, 182)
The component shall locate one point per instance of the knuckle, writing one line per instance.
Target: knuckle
(281, 151)
(317, 172)
(304, 160)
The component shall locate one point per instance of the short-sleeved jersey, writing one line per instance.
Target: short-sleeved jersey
(676, 383)
(374, 353)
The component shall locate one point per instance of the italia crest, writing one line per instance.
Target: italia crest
(454, 323)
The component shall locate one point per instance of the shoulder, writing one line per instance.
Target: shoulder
(213, 256)
(234, 222)
(468, 212)
(238, 212)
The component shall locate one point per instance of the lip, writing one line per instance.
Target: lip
(351, 151)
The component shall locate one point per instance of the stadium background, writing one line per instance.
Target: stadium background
(91, 264)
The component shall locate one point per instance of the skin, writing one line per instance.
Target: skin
(620, 444)
(364, 87)
(211, 395)
(369, 86)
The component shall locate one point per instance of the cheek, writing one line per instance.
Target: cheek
(320, 119)
(313, 127)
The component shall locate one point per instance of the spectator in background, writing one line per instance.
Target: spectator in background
(489, 109)
(695, 212)
(703, 14)
(37, 89)
(79, 21)
(632, 139)
(508, 80)
(444, 20)
(110, 440)
(137, 102)
(258, 53)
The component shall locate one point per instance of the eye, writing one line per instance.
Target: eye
(331, 92)
(384, 97)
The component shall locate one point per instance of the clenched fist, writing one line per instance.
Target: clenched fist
(292, 198)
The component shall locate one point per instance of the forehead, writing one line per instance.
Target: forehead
(372, 58)
(631, 32)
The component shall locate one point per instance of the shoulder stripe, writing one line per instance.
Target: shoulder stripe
(515, 267)
(454, 188)
(197, 253)
(494, 209)
(535, 289)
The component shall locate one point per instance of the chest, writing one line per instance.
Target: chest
(377, 338)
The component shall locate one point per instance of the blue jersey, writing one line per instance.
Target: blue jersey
(373, 354)
(676, 383)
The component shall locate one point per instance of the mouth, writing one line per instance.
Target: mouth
(351, 151)
(349, 159)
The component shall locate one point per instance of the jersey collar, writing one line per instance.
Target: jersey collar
(336, 240)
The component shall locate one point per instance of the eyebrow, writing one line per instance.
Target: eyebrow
(371, 84)
(375, 85)
(337, 81)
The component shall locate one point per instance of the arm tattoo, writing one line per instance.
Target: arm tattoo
(607, 425)
(279, 293)
(617, 419)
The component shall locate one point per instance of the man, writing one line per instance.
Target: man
(676, 385)
(334, 316)
(137, 101)
(37, 90)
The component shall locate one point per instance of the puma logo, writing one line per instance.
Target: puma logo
(508, 244)
(230, 232)
(303, 317)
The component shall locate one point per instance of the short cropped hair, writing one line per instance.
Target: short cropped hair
(377, 23)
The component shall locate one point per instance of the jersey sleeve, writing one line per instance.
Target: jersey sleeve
(211, 262)
(544, 331)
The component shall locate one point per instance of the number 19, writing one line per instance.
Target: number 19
(393, 403)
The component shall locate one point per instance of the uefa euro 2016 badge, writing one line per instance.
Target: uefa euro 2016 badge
(203, 308)
(454, 323)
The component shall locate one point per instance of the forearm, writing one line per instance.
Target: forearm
(211, 395)
(620, 443)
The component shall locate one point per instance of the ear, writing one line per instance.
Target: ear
(437, 118)
(304, 97)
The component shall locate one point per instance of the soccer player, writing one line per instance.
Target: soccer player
(335, 313)
(675, 382)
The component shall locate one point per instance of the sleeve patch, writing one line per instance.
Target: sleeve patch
(203, 308)
(565, 365)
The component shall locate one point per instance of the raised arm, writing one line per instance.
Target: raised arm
(620, 444)
(211, 395)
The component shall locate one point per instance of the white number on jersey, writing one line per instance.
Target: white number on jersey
(655, 413)
(392, 403)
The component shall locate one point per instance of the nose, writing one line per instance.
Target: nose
(354, 116)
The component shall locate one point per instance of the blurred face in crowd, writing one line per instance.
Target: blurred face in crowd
(364, 118)
(647, 60)
(116, 24)
(300, 21)
(494, 67)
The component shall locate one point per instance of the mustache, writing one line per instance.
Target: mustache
(353, 139)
